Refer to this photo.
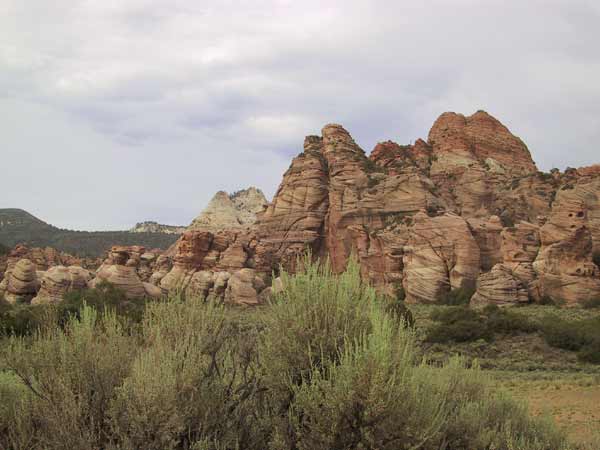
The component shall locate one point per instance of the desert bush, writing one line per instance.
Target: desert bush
(325, 366)
(582, 336)
(196, 382)
(25, 319)
(310, 321)
(456, 297)
(373, 397)
(70, 376)
(591, 303)
(463, 324)
(458, 324)
(103, 297)
(506, 322)
(596, 259)
(398, 309)
(479, 416)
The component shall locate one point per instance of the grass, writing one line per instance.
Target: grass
(571, 399)
(553, 381)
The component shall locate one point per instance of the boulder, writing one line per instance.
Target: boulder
(59, 280)
(500, 287)
(22, 282)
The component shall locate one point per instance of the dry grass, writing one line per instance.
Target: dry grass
(572, 399)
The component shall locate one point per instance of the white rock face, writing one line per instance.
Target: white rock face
(236, 211)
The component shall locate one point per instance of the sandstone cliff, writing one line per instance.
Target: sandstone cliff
(467, 209)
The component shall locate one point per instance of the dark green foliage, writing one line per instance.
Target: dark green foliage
(549, 301)
(396, 307)
(24, 319)
(459, 324)
(581, 336)
(456, 297)
(506, 322)
(463, 324)
(104, 297)
(596, 259)
(371, 166)
(591, 303)
(27, 229)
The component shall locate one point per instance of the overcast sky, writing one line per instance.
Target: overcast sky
(118, 111)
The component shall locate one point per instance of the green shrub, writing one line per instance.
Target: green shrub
(582, 336)
(311, 320)
(70, 376)
(24, 319)
(504, 321)
(596, 259)
(463, 324)
(591, 303)
(458, 324)
(455, 297)
(104, 296)
(398, 309)
(549, 301)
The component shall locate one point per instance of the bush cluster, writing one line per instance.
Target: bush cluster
(455, 297)
(463, 324)
(591, 303)
(581, 336)
(24, 319)
(324, 367)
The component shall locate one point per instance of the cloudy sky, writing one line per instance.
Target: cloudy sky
(117, 111)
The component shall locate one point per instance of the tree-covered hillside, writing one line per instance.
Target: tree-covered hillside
(18, 226)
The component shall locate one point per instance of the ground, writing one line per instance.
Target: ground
(551, 380)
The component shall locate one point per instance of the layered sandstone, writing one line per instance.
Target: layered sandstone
(467, 209)
(22, 283)
(59, 280)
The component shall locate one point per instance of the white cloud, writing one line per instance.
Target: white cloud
(171, 100)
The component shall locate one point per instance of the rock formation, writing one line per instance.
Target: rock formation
(121, 269)
(226, 212)
(59, 280)
(467, 209)
(21, 284)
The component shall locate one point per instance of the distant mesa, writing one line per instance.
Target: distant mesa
(155, 227)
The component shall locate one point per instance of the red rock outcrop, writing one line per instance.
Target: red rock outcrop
(120, 269)
(467, 209)
(441, 255)
(59, 280)
(22, 283)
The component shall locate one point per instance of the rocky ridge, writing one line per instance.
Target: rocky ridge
(465, 210)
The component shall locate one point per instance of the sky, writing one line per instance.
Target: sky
(117, 111)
